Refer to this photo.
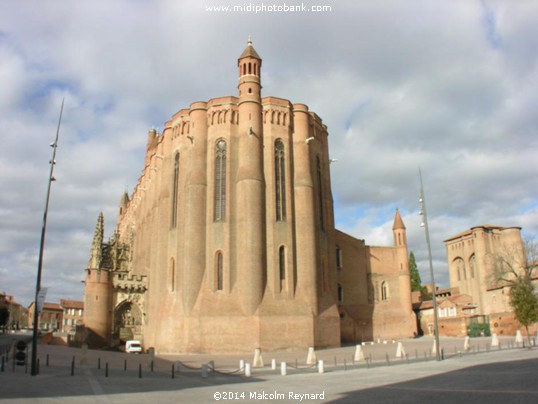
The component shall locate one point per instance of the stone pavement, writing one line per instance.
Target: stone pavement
(129, 378)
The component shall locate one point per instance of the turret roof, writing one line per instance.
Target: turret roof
(250, 51)
(398, 222)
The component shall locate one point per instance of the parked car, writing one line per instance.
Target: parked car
(133, 346)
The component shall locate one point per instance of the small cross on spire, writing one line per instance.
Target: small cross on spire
(249, 42)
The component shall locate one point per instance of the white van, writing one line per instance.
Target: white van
(133, 346)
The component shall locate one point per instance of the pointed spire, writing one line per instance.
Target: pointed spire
(99, 230)
(97, 243)
(250, 51)
(124, 200)
(398, 222)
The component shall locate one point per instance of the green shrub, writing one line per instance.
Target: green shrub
(479, 330)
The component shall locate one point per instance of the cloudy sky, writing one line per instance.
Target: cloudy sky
(450, 86)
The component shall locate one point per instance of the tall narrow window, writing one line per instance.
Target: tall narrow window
(219, 271)
(282, 263)
(384, 291)
(220, 181)
(339, 263)
(320, 195)
(280, 181)
(172, 275)
(175, 186)
(340, 294)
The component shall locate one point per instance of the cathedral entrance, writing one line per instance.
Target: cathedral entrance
(127, 321)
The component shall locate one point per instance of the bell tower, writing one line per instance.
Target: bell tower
(400, 243)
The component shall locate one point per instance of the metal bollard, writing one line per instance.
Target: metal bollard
(140, 371)
(106, 369)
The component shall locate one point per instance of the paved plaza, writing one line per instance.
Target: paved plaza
(483, 374)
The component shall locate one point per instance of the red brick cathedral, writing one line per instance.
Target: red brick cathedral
(228, 243)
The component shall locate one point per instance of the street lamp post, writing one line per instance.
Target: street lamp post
(424, 224)
(41, 248)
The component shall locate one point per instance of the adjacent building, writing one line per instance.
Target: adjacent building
(476, 295)
(50, 317)
(73, 312)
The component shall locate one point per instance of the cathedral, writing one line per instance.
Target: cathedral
(228, 244)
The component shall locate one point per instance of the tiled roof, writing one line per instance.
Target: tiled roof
(72, 304)
(51, 306)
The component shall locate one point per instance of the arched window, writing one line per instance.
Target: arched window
(175, 186)
(220, 181)
(384, 291)
(219, 271)
(471, 265)
(280, 181)
(320, 194)
(459, 267)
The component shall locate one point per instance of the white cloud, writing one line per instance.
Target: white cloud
(447, 86)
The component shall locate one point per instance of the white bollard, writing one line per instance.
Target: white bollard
(247, 369)
(494, 340)
(242, 364)
(273, 364)
(283, 368)
(359, 355)
(321, 367)
(258, 360)
(311, 358)
(434, 347)
(519, 338)
(400, 351)
(467, 344)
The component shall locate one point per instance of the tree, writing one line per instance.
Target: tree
(524, 301)
(414, 274)
(516, 267)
